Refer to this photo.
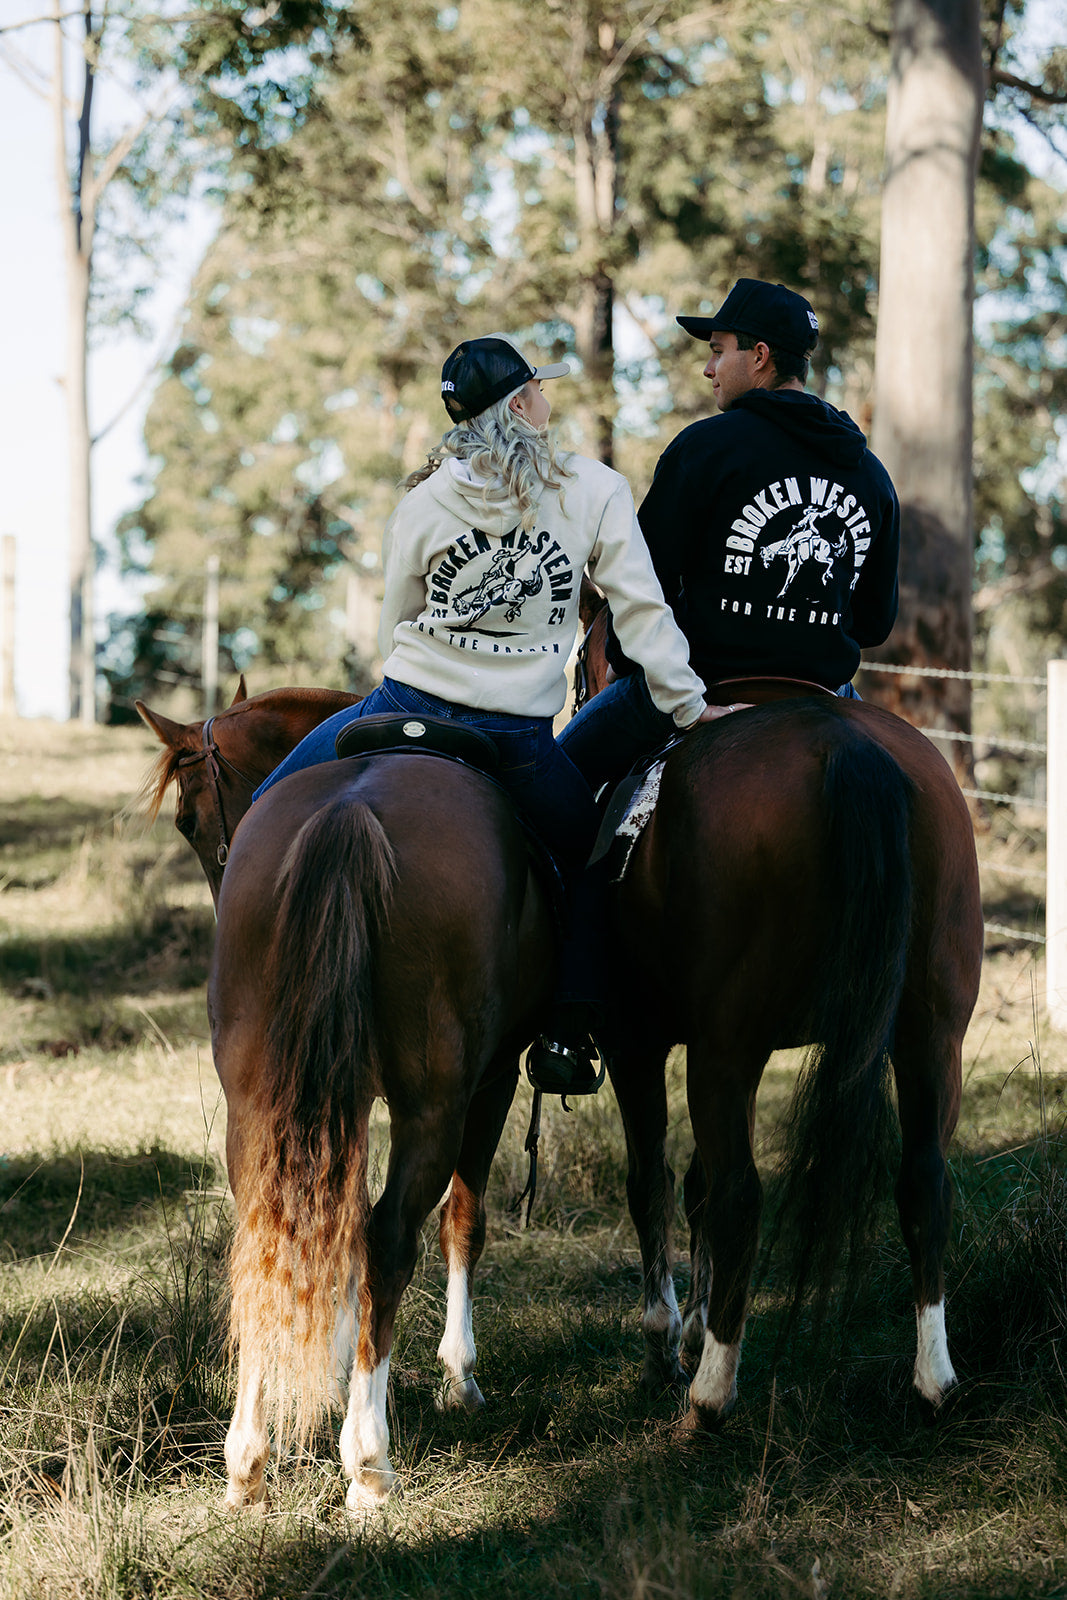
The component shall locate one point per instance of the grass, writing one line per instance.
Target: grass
(114, 1390)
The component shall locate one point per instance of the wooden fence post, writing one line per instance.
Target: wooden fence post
(1056, 888)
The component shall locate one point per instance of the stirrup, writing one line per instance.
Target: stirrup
(557, 1068)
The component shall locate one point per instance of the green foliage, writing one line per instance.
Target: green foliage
(577, 174)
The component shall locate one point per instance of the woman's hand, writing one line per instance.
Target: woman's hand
(713, 713)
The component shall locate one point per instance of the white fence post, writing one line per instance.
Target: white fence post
(1056, 889)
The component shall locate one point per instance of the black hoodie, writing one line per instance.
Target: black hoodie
(775, 534)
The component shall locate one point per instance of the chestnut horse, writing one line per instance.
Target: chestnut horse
(808, 875)
(380, 934)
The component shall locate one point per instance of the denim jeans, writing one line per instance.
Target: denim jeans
(614, 730)
(543, 782)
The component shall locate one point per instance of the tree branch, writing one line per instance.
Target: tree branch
(1036, 91)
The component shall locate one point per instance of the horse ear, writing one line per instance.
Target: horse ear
(242, 692)
(167, 732)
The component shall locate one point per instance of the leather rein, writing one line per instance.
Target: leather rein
(213, 760)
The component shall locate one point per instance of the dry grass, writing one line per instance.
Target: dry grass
(114, 1392)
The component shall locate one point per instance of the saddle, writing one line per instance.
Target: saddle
(389, 733)
(429, 736)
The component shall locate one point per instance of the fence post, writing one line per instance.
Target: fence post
(1056, 889)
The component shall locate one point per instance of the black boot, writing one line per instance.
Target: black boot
(561, 1060)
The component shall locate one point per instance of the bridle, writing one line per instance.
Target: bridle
(213, 759)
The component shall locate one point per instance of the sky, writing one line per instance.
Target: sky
(33, 498)
(34, 485)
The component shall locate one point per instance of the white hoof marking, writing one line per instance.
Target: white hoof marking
(715, 1386)
(456, 1351)
(365, 1436)
(934, 1375)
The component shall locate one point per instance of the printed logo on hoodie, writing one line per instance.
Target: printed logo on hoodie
(482, 583)
(803, 537)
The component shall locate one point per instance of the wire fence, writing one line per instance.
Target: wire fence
(987, 746)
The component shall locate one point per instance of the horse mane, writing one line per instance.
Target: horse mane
(157, 781)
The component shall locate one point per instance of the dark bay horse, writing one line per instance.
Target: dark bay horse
(808, 875)
(380, 933)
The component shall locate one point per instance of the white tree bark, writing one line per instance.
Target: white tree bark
(77, 210)
(923, 358)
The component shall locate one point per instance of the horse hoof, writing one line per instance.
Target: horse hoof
(935, 1411)
(702, 1422)
(240, 1500)
(663, 1380)
(371, 1490)
(459, 1394)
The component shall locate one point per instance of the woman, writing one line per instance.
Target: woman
(483, 560)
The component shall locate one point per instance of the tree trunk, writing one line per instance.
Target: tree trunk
(596, 164)
(923, 358)
(77, 208)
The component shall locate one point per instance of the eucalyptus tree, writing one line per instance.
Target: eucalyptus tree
(941, 70)
(213, 71)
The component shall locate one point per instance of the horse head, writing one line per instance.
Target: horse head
(219, 762)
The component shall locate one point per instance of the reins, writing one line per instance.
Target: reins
(212, 757)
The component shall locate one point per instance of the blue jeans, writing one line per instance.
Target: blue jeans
(615, 730)
(543, 782)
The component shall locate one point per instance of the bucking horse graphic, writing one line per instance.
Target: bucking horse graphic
(512, 577)
(805, 543)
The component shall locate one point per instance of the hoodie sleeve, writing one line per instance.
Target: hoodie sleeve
(668, 513)
(876, 595)
(405, 586)
(621, 564)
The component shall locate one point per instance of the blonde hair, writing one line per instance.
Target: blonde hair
(518, 461)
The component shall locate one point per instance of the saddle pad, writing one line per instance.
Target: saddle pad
(636, 819)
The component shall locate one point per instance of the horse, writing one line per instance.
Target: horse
(808, 876)
(381, 933)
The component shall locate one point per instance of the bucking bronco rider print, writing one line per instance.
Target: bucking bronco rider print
(483, 584)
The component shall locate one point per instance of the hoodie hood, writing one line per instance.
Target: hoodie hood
(809, 421)
(465, 498)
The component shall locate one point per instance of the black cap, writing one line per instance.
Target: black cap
(481, 371)
(767, 311)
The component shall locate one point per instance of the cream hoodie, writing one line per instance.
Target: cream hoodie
(478, 612)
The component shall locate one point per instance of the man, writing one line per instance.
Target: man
(774, 531)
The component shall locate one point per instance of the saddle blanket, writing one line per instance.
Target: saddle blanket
(635, 819)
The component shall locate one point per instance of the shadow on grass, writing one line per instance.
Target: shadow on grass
(168, 947)
(52, 823)
(101, 1192)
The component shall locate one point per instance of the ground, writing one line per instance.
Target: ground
(113, 1229)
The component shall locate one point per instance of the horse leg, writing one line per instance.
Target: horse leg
(463, 1235)
(695, 1315)
(247, 1445)
(927, 1066)
(641, 1092)
(423, 1149)
(722, 1113)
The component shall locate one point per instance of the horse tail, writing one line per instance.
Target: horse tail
(840, 1127)
(299, 1247)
